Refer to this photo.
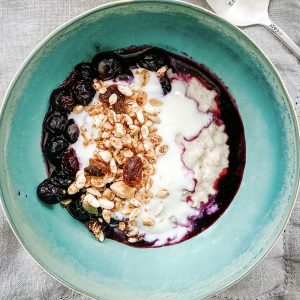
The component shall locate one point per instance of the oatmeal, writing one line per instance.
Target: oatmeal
(139, 155)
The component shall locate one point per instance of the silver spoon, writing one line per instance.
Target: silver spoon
(251, 12)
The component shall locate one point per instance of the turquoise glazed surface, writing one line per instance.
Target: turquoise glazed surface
(206, 263)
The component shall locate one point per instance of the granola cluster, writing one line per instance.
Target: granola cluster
(117, 181)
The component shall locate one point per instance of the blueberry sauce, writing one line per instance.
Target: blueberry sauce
(59, 133)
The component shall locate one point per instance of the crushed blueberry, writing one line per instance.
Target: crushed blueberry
(83, 92)
(69, 161)
(85, 71)
(55, 122)
(165, 85)
(153, 59)
(49, 192)
(54, 147)
(62, 100)
(77, 211)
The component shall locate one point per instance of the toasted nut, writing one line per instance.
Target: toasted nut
(144, 77)
(149, 123)
(148, 222)
(134, 213)
(80, 180)
(148, 145)
(160, 150)
(92, 200)
(105, 203)
(154, 119)
(72, 189)
(93, 192)
(135, 202)
(78, 109)
(105, 155)
(162, 193)
(144, 131)
(122, 190)
(125, 90)
(140, 116)
(106, 214)
(162, 71)
(113, 98)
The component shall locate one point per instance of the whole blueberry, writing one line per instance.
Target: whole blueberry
(84, 71)
(70, 80)
(83, 92)
(62, 100)
(71, 132)
(54, 147)
(153, 59)
(69, 162)
(55, 122)
(107, 65)
(49, 192)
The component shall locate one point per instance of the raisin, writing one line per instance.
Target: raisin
(132, 171)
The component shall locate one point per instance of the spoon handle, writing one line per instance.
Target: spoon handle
(277, 31)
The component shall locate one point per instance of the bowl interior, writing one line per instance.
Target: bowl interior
(205, 263)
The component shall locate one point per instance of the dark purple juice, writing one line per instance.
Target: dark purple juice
(59, 133)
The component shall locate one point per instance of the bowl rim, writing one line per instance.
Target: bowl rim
(195, 7)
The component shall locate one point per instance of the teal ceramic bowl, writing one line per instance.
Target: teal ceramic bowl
(206, 263)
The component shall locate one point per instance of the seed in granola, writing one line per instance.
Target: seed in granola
(152, 110)
(122, 190)
(105, 155)
(135, 202)
(106, 214)
(148, 222)
(144, 131)
(108, 194)
(133, 171)
(162, 193)
(93, 192)
(125, 90)
(80, 179)
(132, 240)
(66, 202)
(89, 208)
(119, 130)
(134, 213)
(72, 189)
(122, 226)
(140, 116)
(144, 77)
(113, 166)
(161, 71)
(105, 203)
(155, 102)
(127, 153)
(77, 109)
(92, 200)
(159, 210)
(113, 98)
(141, 98)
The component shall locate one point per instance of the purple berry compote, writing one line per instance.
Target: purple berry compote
(144, 146)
